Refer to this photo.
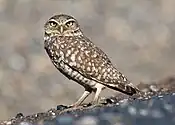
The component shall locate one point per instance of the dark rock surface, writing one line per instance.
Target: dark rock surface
(155, 107)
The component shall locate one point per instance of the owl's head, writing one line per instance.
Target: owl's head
(62, 25)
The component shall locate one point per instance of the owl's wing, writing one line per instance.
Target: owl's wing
(98, 50)
(93, 63)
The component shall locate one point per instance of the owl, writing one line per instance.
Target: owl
(80, 60)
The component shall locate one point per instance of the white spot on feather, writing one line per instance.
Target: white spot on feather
(72, 57)
(68, 53)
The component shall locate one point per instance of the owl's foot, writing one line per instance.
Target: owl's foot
(73, 105)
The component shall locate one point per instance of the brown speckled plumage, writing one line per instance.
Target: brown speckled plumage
(79, 59)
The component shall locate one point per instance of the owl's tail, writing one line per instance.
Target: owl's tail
(128, 89)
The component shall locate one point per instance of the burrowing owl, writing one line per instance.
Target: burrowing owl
(74, 55)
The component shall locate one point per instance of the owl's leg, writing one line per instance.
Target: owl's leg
(82, 98)
(97, 95)
(99, 88)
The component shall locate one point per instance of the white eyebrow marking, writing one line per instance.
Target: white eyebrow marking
(53, 21)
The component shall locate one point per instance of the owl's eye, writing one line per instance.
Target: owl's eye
(53, 23)
(70, 23)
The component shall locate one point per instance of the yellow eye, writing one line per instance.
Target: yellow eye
(70, 23)
(53, 24)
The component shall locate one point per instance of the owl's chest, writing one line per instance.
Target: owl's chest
(57, 56)
(54, 48)
(55, 53)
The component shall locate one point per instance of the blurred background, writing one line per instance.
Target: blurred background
(137, 35)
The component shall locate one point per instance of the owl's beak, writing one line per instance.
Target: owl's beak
(61, 29)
